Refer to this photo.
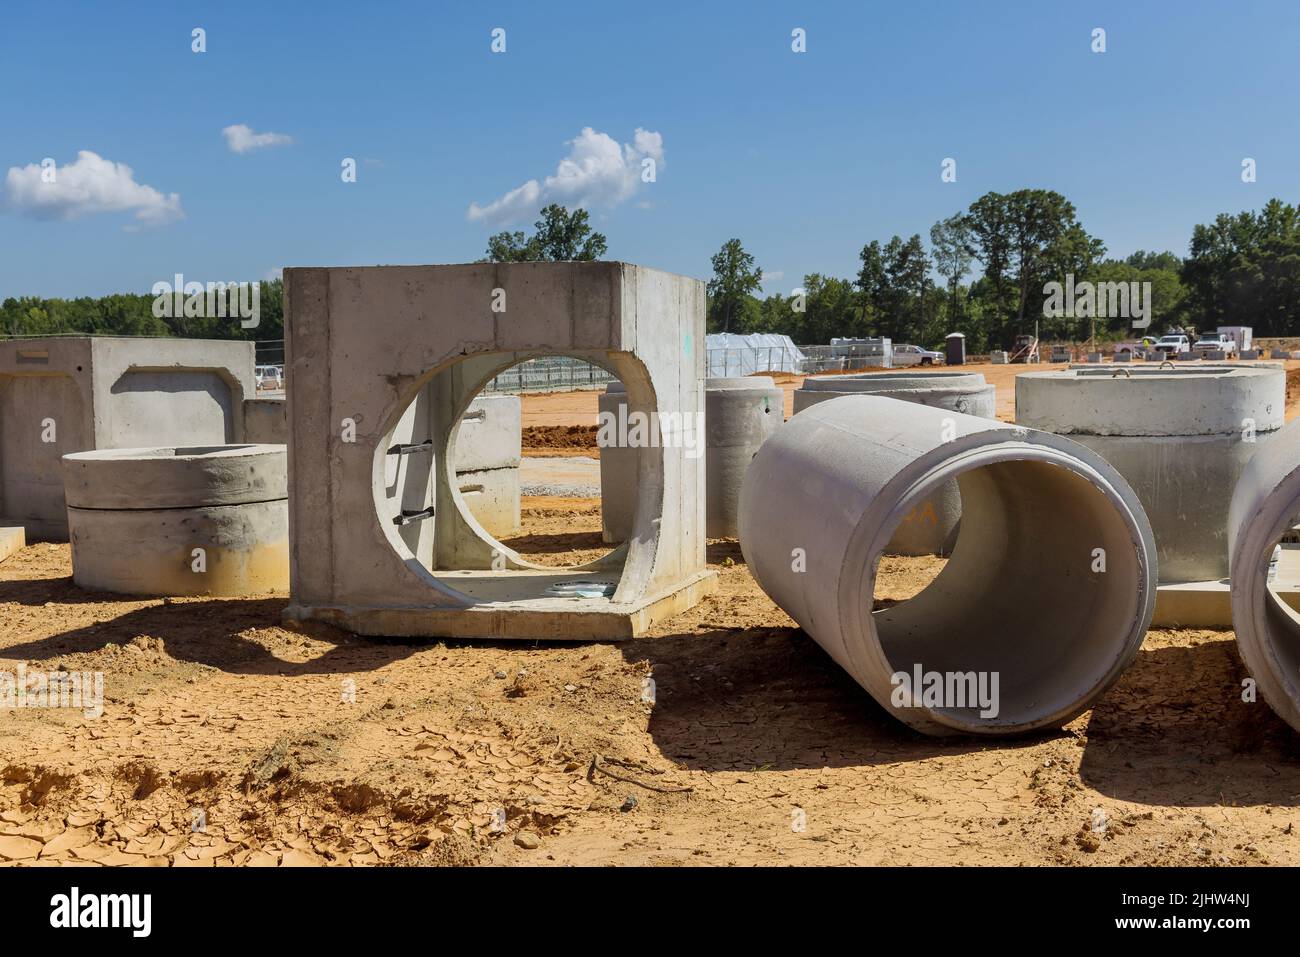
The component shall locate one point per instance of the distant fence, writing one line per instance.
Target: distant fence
(566, 374)
(550, 374)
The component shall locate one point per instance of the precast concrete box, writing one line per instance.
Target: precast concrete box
(373, 551)
(67, 394)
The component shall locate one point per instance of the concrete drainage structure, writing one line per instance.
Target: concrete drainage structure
(931, 527)
(179, 521)
(487, 455)
(1021, 598)
(1181, 437)
(964, 392)
(739, 415)
(1265, 508)
(364, 343)
(79, 393)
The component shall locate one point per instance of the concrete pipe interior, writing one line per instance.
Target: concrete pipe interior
(1019, 596)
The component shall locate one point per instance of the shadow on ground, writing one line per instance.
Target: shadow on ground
(1174, 730)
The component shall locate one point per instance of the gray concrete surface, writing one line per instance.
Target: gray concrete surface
(1014, 604)
(1180, 436)
(1265, 507)
(929, 528)
(77, 393)
(739, 414)
(351, 563)
(189, 520)
(266, 420)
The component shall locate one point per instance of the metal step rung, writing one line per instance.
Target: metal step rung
(400, 449)
(410, 518)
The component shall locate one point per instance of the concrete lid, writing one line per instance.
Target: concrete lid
(894, 381)
(175, 477)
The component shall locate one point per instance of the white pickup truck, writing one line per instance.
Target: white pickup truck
(1170, 346)
(1216, 342)
(905, 355)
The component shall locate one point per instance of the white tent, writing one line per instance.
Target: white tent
(731, 354)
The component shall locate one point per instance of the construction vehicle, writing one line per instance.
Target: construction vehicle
(1025, 349)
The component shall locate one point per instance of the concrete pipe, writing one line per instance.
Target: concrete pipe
(1044, 601)
(207, 520)
(930, 528)
(1180, 436)
(1265, 508)
(739, 415)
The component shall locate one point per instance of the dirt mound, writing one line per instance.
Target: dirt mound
(552, 440)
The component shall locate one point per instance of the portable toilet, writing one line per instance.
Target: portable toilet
(955, 349)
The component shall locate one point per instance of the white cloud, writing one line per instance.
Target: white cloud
(90, 184)
(241, 139)
(597, 173)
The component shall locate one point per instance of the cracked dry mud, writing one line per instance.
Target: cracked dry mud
(216, 713)
(226, 740)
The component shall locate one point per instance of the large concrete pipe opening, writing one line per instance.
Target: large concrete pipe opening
(1043, 603)
(929, 527)
(1265, 569)
(1180, 437)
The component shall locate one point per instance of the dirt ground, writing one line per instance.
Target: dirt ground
(725, 737)
(561, 423)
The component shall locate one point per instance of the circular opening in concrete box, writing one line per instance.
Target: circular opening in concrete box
(462, 514)
(535, 490)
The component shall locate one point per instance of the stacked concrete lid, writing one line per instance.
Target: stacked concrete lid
(964, 392)
(175, 477)
(1153, 400)
(201, 520)
(1180, 436)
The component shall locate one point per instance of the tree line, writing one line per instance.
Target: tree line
(983, 274)
(131, 314)
(987, 268)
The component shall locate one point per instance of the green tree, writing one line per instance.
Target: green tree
(1245, 269)
(1024, 240)
(894, 282)
(950, 247)
(731, 290)
(560, 236)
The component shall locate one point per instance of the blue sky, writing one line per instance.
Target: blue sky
(805, 157)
